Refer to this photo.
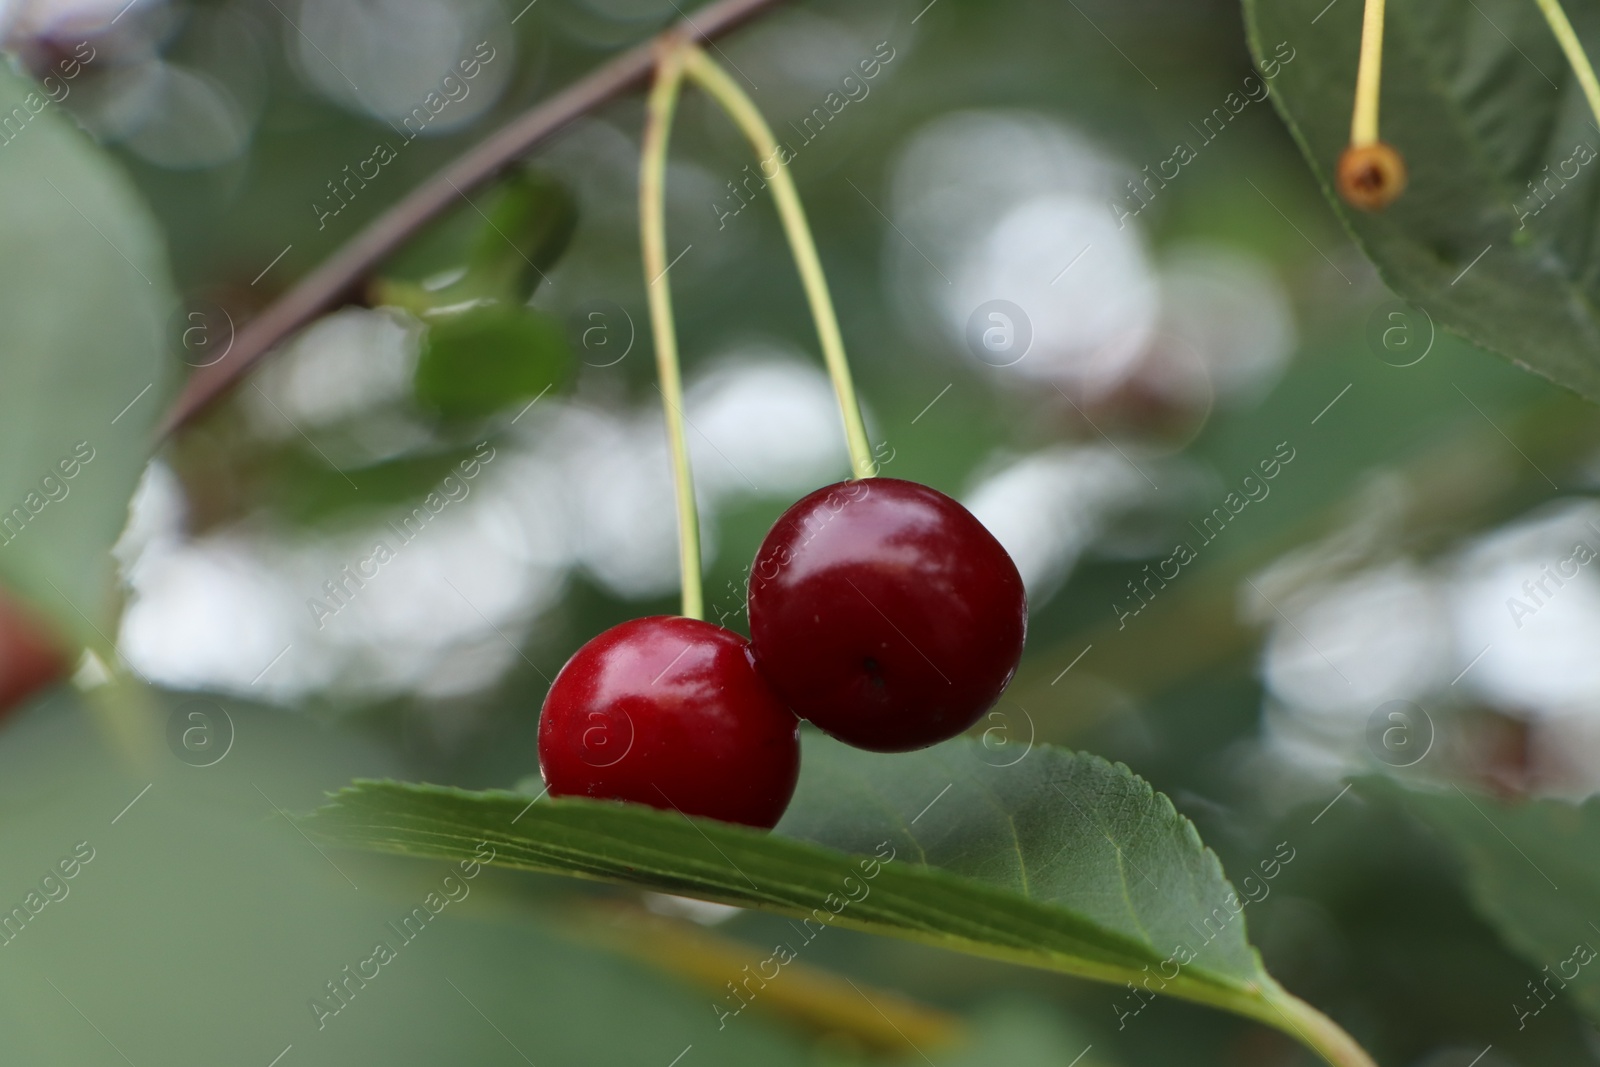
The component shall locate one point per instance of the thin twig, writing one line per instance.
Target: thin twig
(338, 276)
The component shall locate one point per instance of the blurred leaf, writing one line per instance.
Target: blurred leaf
(83, 295)
(477, 362)
(1024, 1034)
(502, 244)
(1479, 101)
(528, 221)
(809, 997)
(1061, 861)
(193, 864)
(1533, 869)
(303, 490)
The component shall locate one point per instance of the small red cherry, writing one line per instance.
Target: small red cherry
(886, 614)
(670, 712)
(30, 656)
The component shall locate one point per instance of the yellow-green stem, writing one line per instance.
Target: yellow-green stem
(653, 236)
(1579, 60)
(742, 110)
(1314, 1029)
(1364, 120)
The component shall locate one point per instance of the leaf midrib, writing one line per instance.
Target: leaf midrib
(1102, 951)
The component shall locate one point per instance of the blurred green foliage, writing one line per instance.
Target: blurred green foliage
(205, 923)
(476, 362)
(85, 300)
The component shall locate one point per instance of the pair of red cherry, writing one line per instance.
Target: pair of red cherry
(881, 610)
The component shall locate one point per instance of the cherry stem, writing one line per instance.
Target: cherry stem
(1556, 16)
(1364, 119)
(662, 104)
(705, 73)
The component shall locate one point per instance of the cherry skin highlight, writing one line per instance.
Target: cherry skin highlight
(886, 614)
(670, 712)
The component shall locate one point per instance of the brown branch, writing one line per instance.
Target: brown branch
(338, 276)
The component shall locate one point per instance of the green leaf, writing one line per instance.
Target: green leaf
(1533, 870)
(528, 221)
(1058, 827)
(1061, 861)
(1479, 100)
(295, 485)
(502, 244)
(475, 363)
(84, 295)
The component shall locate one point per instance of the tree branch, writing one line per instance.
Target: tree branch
(337, 277)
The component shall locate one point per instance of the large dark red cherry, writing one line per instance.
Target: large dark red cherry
(885, 613)
(670, 712)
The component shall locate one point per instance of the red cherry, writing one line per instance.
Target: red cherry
(670, 712)
(885, 613)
